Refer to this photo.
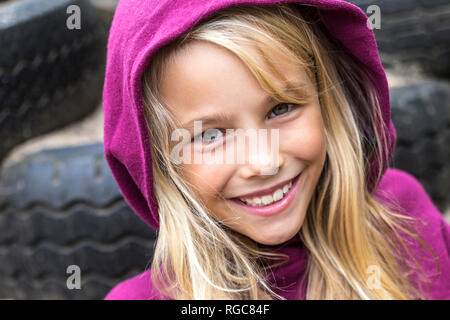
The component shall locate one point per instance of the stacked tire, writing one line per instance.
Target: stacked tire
(415, 35)
(50, 75)
(421, 115)
(413, 32)
(62, 208)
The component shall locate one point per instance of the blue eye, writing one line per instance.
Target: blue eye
(280, 109)
(210, 135)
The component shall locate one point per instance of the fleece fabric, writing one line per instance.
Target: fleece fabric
(140, 28)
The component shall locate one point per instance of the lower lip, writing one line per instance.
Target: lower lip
(274, 208)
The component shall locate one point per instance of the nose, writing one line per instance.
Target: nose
(264, 162)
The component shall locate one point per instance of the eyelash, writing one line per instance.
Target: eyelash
(284, 103)
(223, 130)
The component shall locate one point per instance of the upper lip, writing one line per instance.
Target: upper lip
(267, 190)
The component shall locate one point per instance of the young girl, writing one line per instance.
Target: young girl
(314, 215)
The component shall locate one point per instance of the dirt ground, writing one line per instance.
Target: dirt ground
(90, 130)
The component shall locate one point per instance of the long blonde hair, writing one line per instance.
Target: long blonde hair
(347, 229)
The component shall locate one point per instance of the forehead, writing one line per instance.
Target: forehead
(205, 75)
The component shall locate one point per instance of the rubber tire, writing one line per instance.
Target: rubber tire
(50, 76)
(106, 9)
(59, 208)
(421, 115)
(414, 32)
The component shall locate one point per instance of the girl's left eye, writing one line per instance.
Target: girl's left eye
(280, 109)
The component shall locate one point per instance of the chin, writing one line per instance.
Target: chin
(275, 238)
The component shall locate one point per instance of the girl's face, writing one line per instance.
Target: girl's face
(207, 81)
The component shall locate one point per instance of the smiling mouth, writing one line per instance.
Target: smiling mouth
(271, 204)
(263, 200)
(268, 199)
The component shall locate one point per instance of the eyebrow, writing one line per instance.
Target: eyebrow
(221, 117)
(208, 120)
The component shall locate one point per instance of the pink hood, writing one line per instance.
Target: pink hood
(139, 28)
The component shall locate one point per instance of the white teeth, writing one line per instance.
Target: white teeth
(278, 195)
(268, 199)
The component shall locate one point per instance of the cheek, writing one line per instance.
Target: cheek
(304, 138)
(207, 179)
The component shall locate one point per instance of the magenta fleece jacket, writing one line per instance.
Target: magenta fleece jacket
(140, 27)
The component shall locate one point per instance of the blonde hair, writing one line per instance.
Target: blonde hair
(346, 229)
